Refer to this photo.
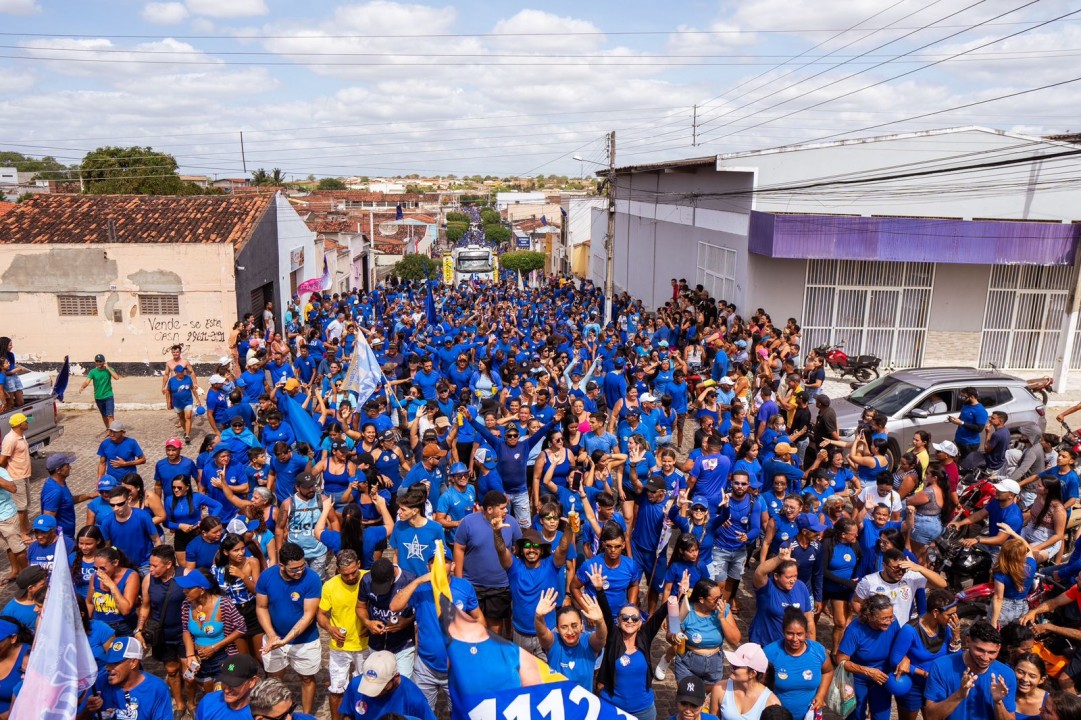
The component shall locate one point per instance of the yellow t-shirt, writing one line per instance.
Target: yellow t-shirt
(340, 601)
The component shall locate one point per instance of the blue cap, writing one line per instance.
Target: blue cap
(458, 469)
(485, 457)
(620, 362)
(124, 648)
(700, 500)
(741, 343)
(193, 579)
(8, 629)
(810, 521)
(220, 448)
(107, 483)
(44, 523)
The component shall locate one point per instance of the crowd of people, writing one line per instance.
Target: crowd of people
(599, 489)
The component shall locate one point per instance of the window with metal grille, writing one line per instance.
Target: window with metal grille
(159, 304)
(717, 271)
(71, 305)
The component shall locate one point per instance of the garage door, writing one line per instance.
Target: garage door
(875, 308)
(1023, 319)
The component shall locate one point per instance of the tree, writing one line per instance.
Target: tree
(47, 168)
(488, 216)
(24, 197)
(416, 267)
(133, 171)
(497, 234)
(455, 231)
(457, 217)
(330, 184)
(523, 261)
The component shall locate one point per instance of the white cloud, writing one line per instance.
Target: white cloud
(717, 37)
(19, 7)
(164, 13)
(103, 59)
(228, 8)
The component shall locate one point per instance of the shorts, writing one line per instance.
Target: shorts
(494, 602)
(926, 529)
(405, 659)
(14, 382)
(187, 409)
(251, 620)
(318, 565)
(529, 643)
(21, 494)
(166, 652)
(106, 406)
(181, 539)
(653, 566)
(842, 595)
(342, 666)
(708, 667)
(304, 658)
(11, 537)
(428, 680)
(210, 668)
(729, 564)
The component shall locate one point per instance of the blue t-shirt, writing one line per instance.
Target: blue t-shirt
(945, 679)
(1012, 591)
(58, 500)
(1011, 515)
(406, 700)
(796, 678)
(431, 646)
(632, 694)
(711, 473)
(135, 536)
(770, 606)
(481, 564)
(415, 546)
(44, 555)
(526, 586)
(213, 707)
(285, 599)
(149, 700)
(867, 646)
(1069, 482)
(618, 580)
(165, 472)
(976, 414)
(201, 552)
(456, 504)
(126, 450)
(180, 390)
(577, 662)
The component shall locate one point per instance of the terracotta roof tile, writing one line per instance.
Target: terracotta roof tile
(134, 219)
(363, 196)
(6, 207)
(328, 226)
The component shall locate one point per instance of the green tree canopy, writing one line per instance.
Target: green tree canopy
(523, 261)
(457, 217)
(416, 267)
(46, 167)
(497, 234)
(455, 231)
(133, 171)
(490, 217)
(330, 184)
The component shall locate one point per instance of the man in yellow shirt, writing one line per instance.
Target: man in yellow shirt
(337, 617)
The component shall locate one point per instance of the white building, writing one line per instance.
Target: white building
(954, 246)
(504, 200)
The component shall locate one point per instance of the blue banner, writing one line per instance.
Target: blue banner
(564, 699)
(304, 425)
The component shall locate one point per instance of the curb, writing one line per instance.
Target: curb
(118, 406)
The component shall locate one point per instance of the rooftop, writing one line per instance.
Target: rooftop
(6, 207)
(87, 219)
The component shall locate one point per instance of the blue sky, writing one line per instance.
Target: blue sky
(385, 88)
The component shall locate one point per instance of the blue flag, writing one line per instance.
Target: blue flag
(60, 385)
(429, 306)
(544, 221)
(364, 375)
(398, 214)
(304, 425)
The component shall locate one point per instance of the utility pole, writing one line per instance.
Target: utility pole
(610, 239)
(694, 127)
(243, 158)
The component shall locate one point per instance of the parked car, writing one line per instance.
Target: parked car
(39, 406)
(906, 396)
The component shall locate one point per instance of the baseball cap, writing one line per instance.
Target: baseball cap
(44, 523)
(591, 385)
(99, 358)
(656, 484)
(749, 655)
(18, 419)
(114, 426)
(1008, 485)
(238, 669)
(59, 460)
(8, 629)
(442, 422)
(946, 446)
(305, 480)
(225, 360)
(782, 448)
(809, 521)
(433, 450)
(691, 689)
(236, 526)
(292, 384)
(649, 397)
(662, 343)
(700, 501)
(179, 369)
(30, 575)
(216, 379)
(726, 381)
(741, 343)
(252, 361)
(174, 442)
(484, 457)
(379, 669)
(107, 483)
(388, 435)
(634, 412)
(193, 579)
(124, 648)
(382, 573)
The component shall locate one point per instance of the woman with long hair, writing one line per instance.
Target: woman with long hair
(934, 634)
(625, 678)
(908, 476)
(840, 555)
(556, 455)
(211, 626)
(921, 448)
(1031, 673)
(237, 573)
(1045, 520)
(745, 695)
(706, 624)
(800, 669)
(113, 596)
(87, 543)
(338, 470)
(14, 657)
(143, 499)
(929, 511)
(184, 510)
(1014, 574)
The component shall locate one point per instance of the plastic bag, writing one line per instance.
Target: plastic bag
(841, 697)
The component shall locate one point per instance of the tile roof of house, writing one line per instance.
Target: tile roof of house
(320, 225)
(75, 219)
(363, 196)
(6, 207)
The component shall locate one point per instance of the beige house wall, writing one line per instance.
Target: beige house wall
(33, 276)
(549, 211)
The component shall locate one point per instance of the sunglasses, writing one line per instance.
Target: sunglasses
(630, 618)
(549, 517)
(530, 546)
(512, 435)
(283, 716)
(118, 504)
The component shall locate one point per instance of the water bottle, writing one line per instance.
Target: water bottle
(673, 615)
(193, 666)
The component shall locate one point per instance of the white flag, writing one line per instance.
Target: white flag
(364, 374)
(61, 666)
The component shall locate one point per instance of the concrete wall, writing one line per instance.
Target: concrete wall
(549, 211)
(31, 277)
(777, 286)
(293, 233)
(259, 258)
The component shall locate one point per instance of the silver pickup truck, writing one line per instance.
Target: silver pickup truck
(39, 406)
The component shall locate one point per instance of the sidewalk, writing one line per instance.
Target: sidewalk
(144, 393)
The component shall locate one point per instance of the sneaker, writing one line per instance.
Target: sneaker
(187, 439)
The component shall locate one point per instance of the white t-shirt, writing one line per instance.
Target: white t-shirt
(901, 594)
(870, 497)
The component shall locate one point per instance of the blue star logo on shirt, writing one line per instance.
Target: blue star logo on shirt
(416, 548)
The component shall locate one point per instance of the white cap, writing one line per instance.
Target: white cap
(726, 381)
(946, 446)
(648, 398)
(225, 360)
(216, 379)
(379, 669)
(1008, 485)
(237, 526)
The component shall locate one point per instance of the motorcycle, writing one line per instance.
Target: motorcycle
(974, 491)
(862, 367)
(1041, 386)
(965, 569)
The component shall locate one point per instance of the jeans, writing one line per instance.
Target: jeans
(318, 565)
(519, 507)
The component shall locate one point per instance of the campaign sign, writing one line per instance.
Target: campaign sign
(548, 701)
